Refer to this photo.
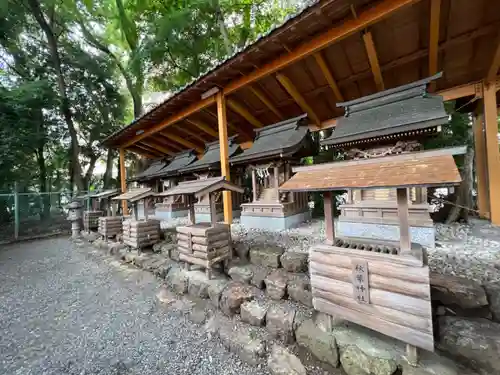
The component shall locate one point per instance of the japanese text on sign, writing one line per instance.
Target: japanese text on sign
(360, 285)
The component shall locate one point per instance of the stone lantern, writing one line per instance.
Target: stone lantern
(75, 216)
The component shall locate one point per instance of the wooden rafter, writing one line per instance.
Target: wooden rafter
(230, 125)
(369, 17)
(140, 151)
(153, 143)
(244, 112)
(323, 66)
(145, 150)
(434, 36)
(298, 98)
(203, 127)
(148, 148)
(191, 133)
(373, 59)
(184, 142)
(168, 142)
(495, 64)
(267, 102)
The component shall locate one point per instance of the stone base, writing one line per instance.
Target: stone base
(167, 215)
(205, 218)
(424, 236)
(274, 223)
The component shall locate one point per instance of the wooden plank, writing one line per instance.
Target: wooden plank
(184, 142)
(329, 209)
(492, 152)
(205, 248)
(396, 301)
(157, 146)
(359, 280)
(406, 334)
(243, 112)
(203, 127)
(418, 275)
(325, 70)
(369, 255)
(373, 59)
(202, 240)
(398, 317)
(481, 169)
(383, 282)
(404, 226)
(434, 38)
(495, 64)
(123, 183)
(345, 29)
(224, 156)
(197, 136)
(298, 98)
(203, 230)
(267, 102)
(193, 260)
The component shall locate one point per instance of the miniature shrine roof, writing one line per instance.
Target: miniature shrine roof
(202, 187)
(283, 139)
(426, 168)
(406, 108)
(106, 193)
(135, 195)
(180, 161)
(150, 171)
(211, 158)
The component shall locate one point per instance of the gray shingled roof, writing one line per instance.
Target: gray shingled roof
(180, 161)
(211, 158)
(404, 108)
(150, 171)
(201, 187)
(283, 139)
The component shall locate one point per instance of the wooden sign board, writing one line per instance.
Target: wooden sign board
(360, 285)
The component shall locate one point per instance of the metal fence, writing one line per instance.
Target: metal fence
(29, 215)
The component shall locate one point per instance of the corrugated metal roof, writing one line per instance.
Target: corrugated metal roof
(279, 140)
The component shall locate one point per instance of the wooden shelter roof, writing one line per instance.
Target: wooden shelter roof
(202, 187)
(106, 194)
(282, 140)
(148, 173)
(211, 157)
(433, 168)
(332, 51)
(179, 162)
(406, 108)
(135, 195)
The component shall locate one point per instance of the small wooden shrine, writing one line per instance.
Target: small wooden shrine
(390, 122)
(109, 225)
(203, 244)
(97, 206)
(383, 285)
(139, 233)
(173, 206)
(209, 166)
(276, 148)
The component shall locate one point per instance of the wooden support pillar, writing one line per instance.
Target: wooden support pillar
(328, 201)
(191, 214)
(213, 209)
(123, 177)
(404, 227)
(492, 152)
(277, 182)
(254, 185)
(481, 172)
(224, 156)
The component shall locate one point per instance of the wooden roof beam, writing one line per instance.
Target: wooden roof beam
(369, 17)
(495, 64)
(149, 150)
(373, 59)
(184, 142)
(230, 125)
(169, 143)
(323, 66)
(267, 102)
(243, 112)
(192, 134)
(140, 151)
(298, 98)
(434, 39)
(203, 127)
(158, 146)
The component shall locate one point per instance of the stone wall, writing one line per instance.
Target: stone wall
(268, 287)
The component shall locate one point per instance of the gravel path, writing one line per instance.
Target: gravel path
(65, 310)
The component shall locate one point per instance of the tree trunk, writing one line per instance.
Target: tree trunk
(108, 174)
(61, 84)
(222, 27)
(42, 180)
(463, 198)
